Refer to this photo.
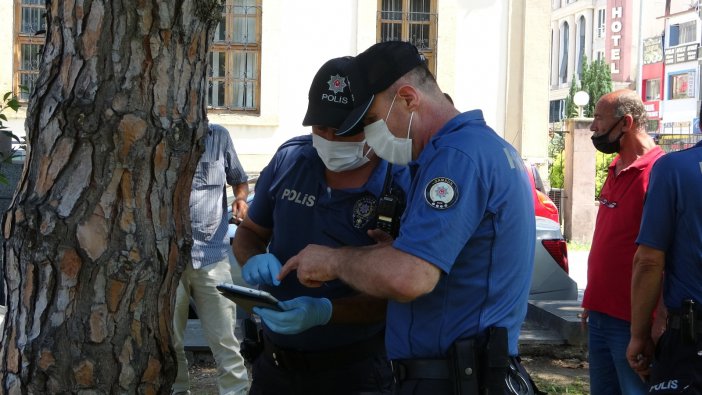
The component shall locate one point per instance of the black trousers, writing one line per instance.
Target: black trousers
(677, 366)
(372, 375)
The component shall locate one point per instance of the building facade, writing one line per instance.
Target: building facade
(486, 55)
(608, 30)
(651, 46)
(680, 102)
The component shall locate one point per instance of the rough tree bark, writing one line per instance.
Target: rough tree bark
(98, 231)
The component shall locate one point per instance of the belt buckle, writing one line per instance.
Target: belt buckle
(399, 371)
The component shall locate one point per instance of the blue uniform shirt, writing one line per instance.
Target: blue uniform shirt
(470, 212)
(672, 222)
(293, 200)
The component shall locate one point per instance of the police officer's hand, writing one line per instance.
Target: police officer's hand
(380, 236)
(261, 269)
(299, 315)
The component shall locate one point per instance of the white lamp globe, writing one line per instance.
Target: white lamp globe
(581, 98)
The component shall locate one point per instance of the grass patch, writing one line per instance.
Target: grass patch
(578, 246)
(577, 387)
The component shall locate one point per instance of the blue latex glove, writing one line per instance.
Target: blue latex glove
(261, 269)
(299, 315)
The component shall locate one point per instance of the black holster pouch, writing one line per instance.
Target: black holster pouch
(480, 364)
(252, 344)
(465, 369)
(688, 319)
(497, 360)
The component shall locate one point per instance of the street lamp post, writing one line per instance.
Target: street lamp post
(581, 98)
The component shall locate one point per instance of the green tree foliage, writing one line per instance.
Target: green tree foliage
(602, 162)
(596, 80)
(571, 110)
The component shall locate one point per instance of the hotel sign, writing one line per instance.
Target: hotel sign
(681, 54)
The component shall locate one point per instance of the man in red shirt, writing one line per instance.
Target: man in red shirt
(619, 126)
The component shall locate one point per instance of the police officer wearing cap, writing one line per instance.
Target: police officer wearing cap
(320, 189)
(458, 274)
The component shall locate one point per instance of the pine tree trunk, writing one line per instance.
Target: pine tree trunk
(99, 231)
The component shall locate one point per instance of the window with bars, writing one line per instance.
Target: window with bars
(29, 32)
(414, 21)
(234, 81)
(234, 74)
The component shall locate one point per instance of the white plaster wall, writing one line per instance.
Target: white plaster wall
(6, 46)
(479, 51)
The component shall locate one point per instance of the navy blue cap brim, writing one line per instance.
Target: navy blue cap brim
(325, 116)
(352, 124)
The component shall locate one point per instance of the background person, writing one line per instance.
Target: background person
(619, 126)
(670, 247)
(321, 189)
(210, 266)
(458, 275)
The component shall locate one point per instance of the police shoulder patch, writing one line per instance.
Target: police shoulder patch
(441, 193)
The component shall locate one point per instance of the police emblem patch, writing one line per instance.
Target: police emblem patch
(337, 83)
(441, 193)
(363, 211)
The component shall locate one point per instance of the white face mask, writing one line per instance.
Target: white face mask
(340, 155)
(393, 149)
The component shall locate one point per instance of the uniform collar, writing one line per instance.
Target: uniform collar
(455, 123)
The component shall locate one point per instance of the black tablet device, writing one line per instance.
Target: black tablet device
(248, 298)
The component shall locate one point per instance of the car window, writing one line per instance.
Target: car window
(537, 179)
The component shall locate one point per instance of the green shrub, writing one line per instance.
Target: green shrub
(602, 161)
(555, 174)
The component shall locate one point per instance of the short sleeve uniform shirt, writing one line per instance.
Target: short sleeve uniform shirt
(293, 199)
(470, 212)
(672, 222)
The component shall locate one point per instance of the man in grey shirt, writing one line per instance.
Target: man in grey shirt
(210, 265)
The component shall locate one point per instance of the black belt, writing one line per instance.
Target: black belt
(675, 322)
(297, 360)
(421, 369)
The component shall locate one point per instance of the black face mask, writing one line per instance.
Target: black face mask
(602, 142)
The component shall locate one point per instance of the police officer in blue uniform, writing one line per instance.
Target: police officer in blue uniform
(458, 274)
(321, 189)
(670, 248)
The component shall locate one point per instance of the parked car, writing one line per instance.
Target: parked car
(550, 279)
(543, 205)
